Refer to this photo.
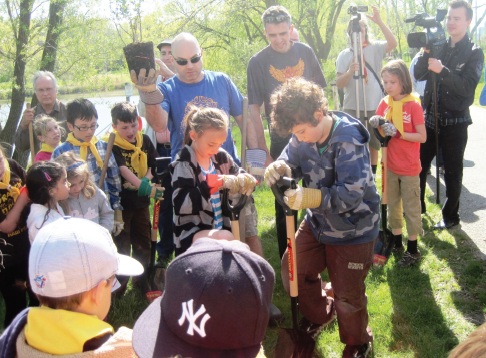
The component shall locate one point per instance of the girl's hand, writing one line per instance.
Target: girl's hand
(247, 183)
(231, 182)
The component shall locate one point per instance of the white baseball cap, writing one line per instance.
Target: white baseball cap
(73, 255)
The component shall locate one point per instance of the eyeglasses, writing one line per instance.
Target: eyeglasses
(269, 19)
(85, 129)
(183, 62)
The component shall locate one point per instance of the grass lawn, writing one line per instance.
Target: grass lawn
(414, 312)
(421, 312)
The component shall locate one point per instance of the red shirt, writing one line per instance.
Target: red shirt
(404, 156)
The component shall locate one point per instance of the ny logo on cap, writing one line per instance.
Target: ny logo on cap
(188, 312)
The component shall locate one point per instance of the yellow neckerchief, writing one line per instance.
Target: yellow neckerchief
(83, 148)
(60, 332)
(139, 158)
(5, 183)
(46, 148)
(395, 109)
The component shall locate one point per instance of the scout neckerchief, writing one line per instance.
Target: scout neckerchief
(5, 183)
(395, 110)
(46, 148)
(83, 148)
(139, 158)
(67, 333)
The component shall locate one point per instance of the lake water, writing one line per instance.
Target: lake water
(103, 106)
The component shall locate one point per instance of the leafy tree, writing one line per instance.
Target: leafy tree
(19, 17)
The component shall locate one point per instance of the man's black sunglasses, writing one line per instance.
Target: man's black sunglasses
(275, 19)
(182, 62)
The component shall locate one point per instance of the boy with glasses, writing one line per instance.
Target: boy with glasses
(82, 121)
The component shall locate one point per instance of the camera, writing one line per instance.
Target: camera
(353, 10)
(434, 35)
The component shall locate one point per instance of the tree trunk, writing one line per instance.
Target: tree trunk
(18, 82)
(54, 30)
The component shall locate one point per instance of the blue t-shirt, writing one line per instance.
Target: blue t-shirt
(215, 90)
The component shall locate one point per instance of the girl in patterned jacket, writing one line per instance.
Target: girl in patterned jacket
(197, 212)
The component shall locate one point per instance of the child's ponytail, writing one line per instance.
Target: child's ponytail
(201, 119)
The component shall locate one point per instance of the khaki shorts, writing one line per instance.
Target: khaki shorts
(404, 197)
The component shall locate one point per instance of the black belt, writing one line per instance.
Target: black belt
(166, 145)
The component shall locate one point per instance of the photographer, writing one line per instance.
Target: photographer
(457, 70)
(373, 54)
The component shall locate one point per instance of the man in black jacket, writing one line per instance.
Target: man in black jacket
(457, 70)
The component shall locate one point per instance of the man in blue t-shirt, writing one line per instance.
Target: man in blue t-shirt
(168, 103)
(193, 86)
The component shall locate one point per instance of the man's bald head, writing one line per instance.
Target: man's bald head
(188, 58)
(183, 40)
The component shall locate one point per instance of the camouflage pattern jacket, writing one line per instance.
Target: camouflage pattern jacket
(349, 211)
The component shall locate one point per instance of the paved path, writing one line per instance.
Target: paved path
(473, 196)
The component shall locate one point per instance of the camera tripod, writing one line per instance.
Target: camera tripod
(357, 43)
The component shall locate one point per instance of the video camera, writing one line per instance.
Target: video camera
(353, 10)
(434, 35)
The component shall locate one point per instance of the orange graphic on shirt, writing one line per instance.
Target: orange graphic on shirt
(288, 72)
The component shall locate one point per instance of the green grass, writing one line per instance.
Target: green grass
(414, 312)
(421, 312)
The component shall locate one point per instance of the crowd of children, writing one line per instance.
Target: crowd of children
(81, 236)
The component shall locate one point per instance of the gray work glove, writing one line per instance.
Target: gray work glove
(147, 88)
(388, 128)
(375, 121)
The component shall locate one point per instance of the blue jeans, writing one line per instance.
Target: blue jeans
(165, 246)
(452, 141)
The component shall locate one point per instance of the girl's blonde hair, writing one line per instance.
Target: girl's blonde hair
(399, 69)
(41, 122)
(201, 119)
(76, 167)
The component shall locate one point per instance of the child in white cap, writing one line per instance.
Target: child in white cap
(72, 268)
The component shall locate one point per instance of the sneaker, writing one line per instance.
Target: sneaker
(409, 259)
(313, 329)
(398, 250)
(361, 351)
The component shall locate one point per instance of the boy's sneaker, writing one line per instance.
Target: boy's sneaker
(409, 259)
(398, 250)
(361, 351)
(313, 329)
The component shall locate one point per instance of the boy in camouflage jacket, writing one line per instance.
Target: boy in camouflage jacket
(328, 152)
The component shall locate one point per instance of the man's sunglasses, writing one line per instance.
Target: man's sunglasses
(182, 62)
(275, 19)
